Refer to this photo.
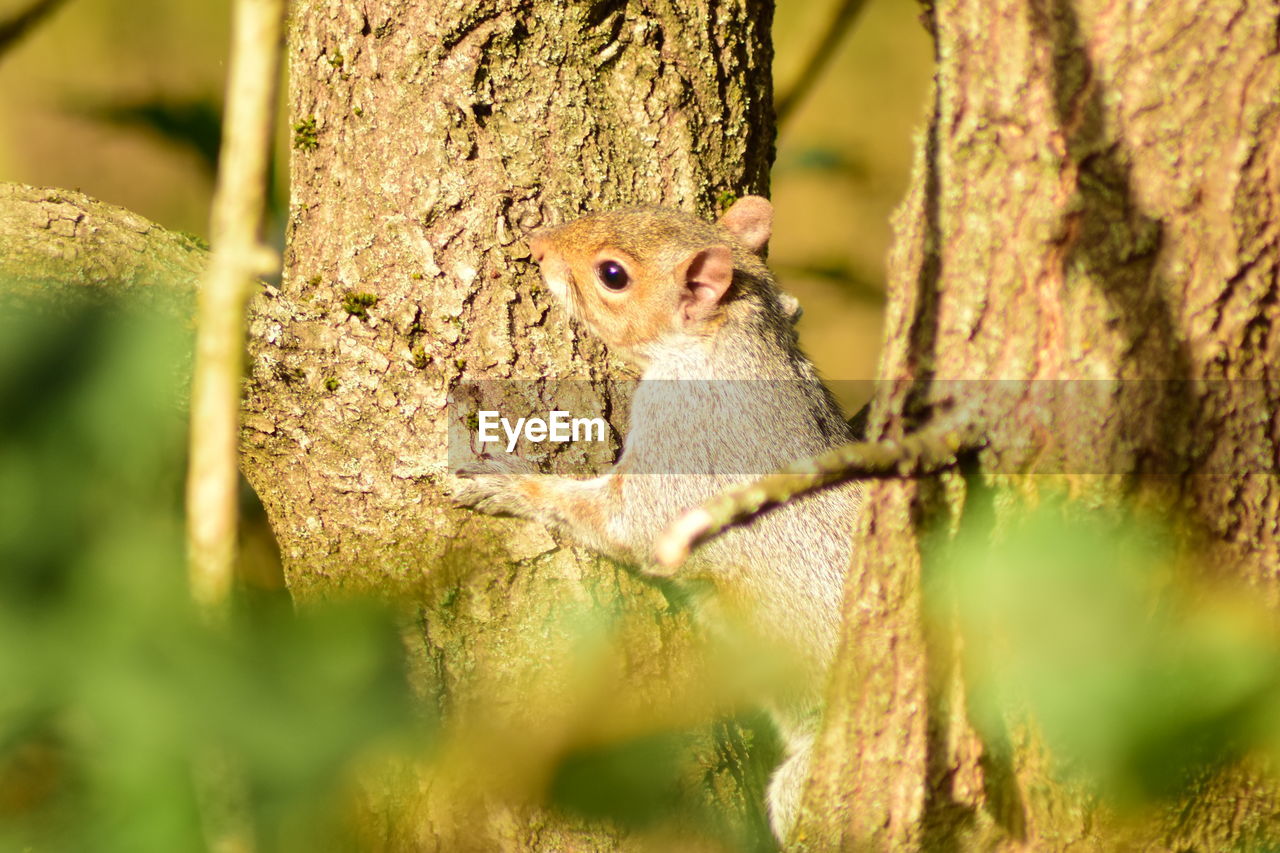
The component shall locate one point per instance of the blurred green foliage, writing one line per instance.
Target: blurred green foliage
(126, 721)
(1082, 620)
(655, 782)
(635, 782)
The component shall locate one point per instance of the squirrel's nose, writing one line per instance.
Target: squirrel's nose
(538, 246)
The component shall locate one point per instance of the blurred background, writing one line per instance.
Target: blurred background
(121, 99)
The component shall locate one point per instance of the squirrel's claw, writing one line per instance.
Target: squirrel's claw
(488, 484)
(478, 493)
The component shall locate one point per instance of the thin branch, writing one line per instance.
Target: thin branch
(15, 27)
(932, 449)
(239, 206)
(846, 13)
(238, 257)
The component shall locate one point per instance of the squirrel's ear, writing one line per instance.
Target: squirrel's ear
(750, 218)
(707, 274)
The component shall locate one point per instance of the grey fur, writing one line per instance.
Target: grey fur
(713, 410)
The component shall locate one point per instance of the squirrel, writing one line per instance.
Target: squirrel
(682, 299)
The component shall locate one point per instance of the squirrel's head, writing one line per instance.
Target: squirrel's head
(637, 276)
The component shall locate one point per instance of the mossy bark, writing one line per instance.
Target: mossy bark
(1095, 196)
(428, 139)
(57, 238)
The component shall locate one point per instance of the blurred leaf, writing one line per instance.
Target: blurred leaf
(635, 782)
(115, 693)
(1136, 683)
(668, 781)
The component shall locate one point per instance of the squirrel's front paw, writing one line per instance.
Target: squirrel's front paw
(484, 493)
(490, 484)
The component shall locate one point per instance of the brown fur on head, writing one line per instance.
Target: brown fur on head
(634, 276)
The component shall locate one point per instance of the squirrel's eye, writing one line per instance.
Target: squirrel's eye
(612, 275)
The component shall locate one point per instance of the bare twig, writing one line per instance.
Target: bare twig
(16, 26)
(929, 450)
(238, 257)
(846, 13)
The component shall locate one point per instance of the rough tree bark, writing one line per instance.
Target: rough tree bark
(57, 238)
(428, 139)
(1097, 195)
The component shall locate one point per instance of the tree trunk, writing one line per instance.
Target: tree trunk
(1096, 195)
(428, 139)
